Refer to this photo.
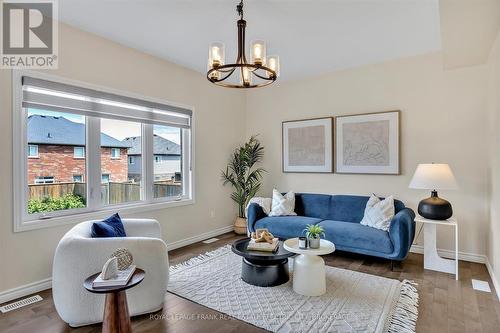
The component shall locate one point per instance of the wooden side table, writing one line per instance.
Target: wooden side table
(432, 260)
(116, 317)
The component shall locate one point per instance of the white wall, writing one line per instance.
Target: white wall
(494, 141)
(27, 257)
(443, 119)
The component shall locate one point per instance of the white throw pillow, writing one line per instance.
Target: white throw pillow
(283, 205)
(265, 203)
(379, 213)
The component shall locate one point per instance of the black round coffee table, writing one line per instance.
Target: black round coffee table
(263, 269)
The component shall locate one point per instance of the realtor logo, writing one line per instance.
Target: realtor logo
(29, 34)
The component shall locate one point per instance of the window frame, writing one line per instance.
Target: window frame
(37, 151)
(78, 175)
(74, 152)
(119, 153)
(44, 178)
(24, 221)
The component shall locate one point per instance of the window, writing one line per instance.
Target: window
(79, 152)
(115, 152)
(78, 178)
(97, 128)
(62, 135)
(105, 178)
(127, 178)
(44, 180)
(33, 151)
(168, 150)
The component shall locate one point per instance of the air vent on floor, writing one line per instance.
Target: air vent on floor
(481, 285)
(20, 303)
(211, 240)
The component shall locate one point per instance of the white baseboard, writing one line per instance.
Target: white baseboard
(496, 284)
(34, 287)
(199, 238)
(465, 256)
(25, 290)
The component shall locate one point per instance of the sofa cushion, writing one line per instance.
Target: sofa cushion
(110, 227)
(347, 208)
(347, 235)
(286, 226)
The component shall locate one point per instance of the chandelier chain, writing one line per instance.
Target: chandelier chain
(239, 9)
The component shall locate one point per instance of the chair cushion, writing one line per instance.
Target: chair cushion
(110, 227)
(347, 236)
(286, 226)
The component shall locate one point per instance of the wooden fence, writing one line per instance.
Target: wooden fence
(111, 193)
(57, 190)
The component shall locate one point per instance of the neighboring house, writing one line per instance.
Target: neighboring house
(167, 158)
(56, 152)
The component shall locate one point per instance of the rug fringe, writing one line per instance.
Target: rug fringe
(405, 312)
(200, 258)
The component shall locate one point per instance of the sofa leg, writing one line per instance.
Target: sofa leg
(392, 265)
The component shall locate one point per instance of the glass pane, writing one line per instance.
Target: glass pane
(51, 138)
(79, 152)
(167, 161)
(120, 144)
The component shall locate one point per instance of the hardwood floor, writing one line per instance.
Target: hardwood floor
(446, 305)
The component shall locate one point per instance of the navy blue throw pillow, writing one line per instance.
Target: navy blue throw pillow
(110, 227)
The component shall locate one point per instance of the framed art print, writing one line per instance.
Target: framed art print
(308, 145)
(367, 143)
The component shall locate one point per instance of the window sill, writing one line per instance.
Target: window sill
(99, 214)
(33, 157)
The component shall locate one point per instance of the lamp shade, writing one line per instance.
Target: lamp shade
(433, 177)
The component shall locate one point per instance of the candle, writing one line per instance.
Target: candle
(245, 76)
(273, 64)
(257, 54)
(215, 56)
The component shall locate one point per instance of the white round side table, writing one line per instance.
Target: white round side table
(309, 268)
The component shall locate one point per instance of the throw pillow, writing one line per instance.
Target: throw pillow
(379, 213)
(283, 205)
(110, 227)
(265, 203)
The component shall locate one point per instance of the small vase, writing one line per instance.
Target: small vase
(313, 243)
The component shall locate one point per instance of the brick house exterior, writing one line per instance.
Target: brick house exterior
(51, 153)
(58, 161)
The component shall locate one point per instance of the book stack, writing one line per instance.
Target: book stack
(120, 280)
(263, 246)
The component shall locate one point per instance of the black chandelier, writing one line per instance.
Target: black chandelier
(264, 70)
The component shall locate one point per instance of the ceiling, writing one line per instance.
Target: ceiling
(311, 37)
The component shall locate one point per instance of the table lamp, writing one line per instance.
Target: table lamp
(434, 177)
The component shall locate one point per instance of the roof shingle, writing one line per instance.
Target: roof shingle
(50, 130)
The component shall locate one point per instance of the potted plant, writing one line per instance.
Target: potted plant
(244, 177)
(313, 234)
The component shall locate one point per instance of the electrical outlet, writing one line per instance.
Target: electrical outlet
(212, 213)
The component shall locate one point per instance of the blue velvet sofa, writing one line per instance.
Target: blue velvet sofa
(340, 215)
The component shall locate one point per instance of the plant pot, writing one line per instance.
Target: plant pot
(313, 243)
(240, 226)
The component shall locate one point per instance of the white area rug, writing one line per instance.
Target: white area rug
(354, 302)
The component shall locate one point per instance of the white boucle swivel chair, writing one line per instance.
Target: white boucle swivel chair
(78, 256)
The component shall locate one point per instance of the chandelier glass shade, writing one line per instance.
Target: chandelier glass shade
(262, 70)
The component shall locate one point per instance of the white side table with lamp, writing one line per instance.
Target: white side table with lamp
(435, 211)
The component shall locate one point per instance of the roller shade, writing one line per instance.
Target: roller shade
(55, 96)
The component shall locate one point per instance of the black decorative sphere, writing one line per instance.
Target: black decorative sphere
(435, 208)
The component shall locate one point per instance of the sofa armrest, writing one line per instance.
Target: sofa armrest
(255, 213)
(402, 232)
